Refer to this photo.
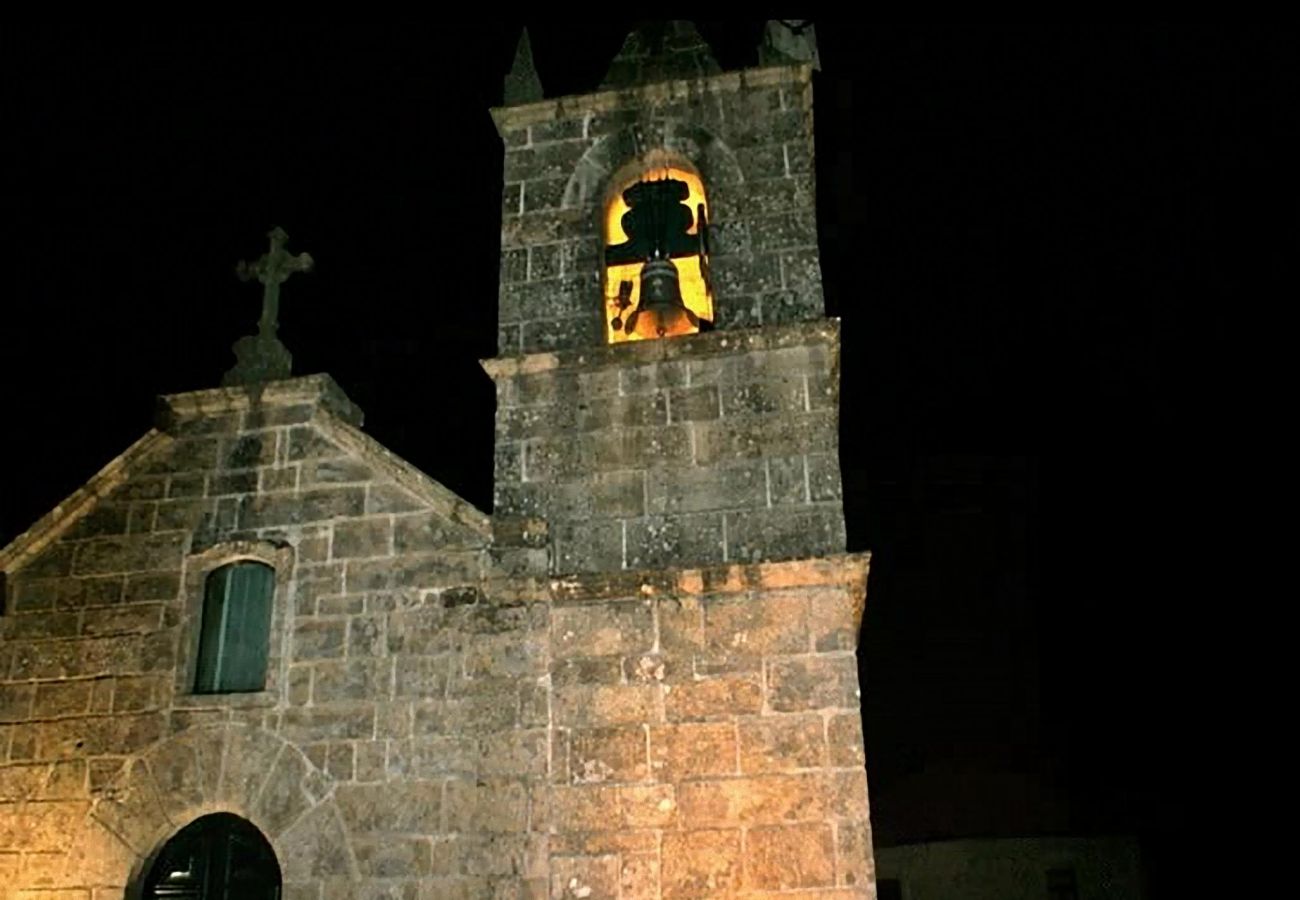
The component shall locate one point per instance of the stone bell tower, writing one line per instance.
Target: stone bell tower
(711, 447)
(258, 634)
(667, 402)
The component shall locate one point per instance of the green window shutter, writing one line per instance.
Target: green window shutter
(212, 632)
(236, 629)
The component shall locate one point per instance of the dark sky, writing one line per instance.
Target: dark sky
(1017, 226)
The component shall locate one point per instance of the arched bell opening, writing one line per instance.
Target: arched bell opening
(656, 250)
(216, 857)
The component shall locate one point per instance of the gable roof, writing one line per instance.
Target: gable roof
(334, 415)
(80, 502)
(439, 498)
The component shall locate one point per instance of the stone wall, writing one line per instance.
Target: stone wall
(707, 740)
(749, 134)
(718, 447)
(441, 719)
(397, 740)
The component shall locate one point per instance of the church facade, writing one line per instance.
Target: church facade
(258, 641)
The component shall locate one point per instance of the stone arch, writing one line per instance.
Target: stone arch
(238, 769)
(217, 834)
(645, 143)
(715, 160)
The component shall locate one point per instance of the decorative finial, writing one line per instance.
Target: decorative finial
(660, 51)
(787, 41)
(522, 83)
(261, 357)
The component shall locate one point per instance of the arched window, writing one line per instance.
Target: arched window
(236, 628)
(215, 857)
(657, 252)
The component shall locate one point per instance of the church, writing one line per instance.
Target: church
(258, 655)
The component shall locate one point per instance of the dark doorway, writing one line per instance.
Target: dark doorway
(216, 857)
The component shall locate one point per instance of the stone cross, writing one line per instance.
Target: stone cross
(261, 357)
(273, 269)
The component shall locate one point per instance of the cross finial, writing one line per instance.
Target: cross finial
(262, 357)
(272, 270)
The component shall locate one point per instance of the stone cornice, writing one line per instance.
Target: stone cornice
(508, 118)
(694, 346)
(845, 569)
(317, 390)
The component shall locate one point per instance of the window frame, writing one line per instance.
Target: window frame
(218, 640)
(197, 569)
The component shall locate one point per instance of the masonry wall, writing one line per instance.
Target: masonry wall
(442, 719)
(707, 740)
(749, 134)
(719, 447)
(395, 748)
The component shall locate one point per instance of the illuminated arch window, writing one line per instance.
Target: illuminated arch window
(657, 252)
(235, 639)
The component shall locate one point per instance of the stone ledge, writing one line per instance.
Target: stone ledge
(315, 390)
(848, 569)
(693, 346)
(511, 117)
(520, 531)
(187, 699)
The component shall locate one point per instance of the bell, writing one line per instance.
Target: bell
(661, 299)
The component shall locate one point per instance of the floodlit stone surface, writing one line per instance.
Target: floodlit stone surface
(750, 136)
(637, 679)
(686, 451)
(668, 733)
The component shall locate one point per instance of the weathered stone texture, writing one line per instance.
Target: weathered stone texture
(386, 645)
(698, 450)
(637, 680)
(645, 734)
(713, 448)
(683, 768)
(751, 139)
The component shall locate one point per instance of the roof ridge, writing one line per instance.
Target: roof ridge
(440, 497)
(351, 439)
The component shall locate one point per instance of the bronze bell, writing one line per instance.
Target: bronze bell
(661, 299)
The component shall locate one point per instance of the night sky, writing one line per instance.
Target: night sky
(1017, 226)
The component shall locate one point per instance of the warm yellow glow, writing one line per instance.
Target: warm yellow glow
(695, 293)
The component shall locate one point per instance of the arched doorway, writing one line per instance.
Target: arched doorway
(215, 857)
